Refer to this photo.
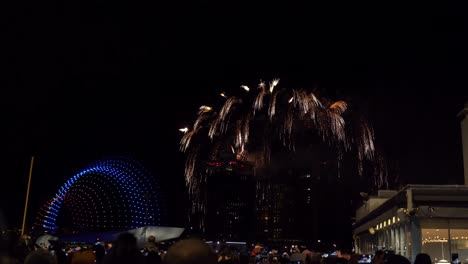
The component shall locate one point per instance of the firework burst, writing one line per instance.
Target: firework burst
(254, 125)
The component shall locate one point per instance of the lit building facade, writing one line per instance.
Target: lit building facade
(420, 218)
(432, 219)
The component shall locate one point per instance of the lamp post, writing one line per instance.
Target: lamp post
(27, 196)
(147, 197)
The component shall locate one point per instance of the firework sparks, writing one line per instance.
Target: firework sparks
(273, 84)
(204, 109)
(337, 122)
(258, 105)
(272, 108)
(247, 126)
(199, 121)
(339, 107)
(213, 128)
(185, 141)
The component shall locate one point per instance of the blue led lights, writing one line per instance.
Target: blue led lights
(110, 194)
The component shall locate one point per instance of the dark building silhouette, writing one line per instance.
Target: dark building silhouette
(293, 194)
(280, 202)
(286, 206)
(230, 201)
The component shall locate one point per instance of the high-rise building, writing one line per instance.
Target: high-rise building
(287, 205)
(280, 202)
(229, 201)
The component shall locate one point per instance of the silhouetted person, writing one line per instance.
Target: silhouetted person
(40, 256)
(190, 251)
(57, 248)
(379, 257)
(244, 255)
(397, 259)
(151, 251)
(330, 260)
(354, 259)
(100, 252)
(423, 258)
(7, 247)
(124, 251)
(225, 257)
(284, 258)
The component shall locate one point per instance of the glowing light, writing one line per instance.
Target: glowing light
(223, 95)
(104, 191)
(204, 109)
(184, 130)
(245, 87)
(273, 84)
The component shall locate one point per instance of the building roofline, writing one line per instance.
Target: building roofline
(400, 197)
(380, 209)
(433, 186)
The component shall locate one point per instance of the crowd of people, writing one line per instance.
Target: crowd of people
(122, 250)
(125, 250)
(298, 255)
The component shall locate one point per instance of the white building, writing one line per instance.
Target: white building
(419, 218)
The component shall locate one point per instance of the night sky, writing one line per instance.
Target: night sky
(83, 80)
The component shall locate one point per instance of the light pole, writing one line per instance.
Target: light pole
(27, 196)
(147, 197)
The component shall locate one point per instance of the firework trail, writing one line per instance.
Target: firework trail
(251, 124)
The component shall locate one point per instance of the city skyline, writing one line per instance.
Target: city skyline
(101, 84)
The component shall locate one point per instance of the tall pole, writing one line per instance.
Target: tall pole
(147, 197)
(27, 195)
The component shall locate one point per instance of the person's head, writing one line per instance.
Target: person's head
(423, 258)
(126, 240)
(125, 245)
(226, 251)
(397, 259)
(152, 239)
(296, 249)
(190, 251)
(379, 254)
(40, 257)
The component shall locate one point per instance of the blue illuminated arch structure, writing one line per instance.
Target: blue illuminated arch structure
(112, 194)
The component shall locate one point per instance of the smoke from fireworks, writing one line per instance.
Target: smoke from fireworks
(250, 125)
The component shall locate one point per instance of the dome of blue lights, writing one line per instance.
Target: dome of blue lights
(111, 194)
